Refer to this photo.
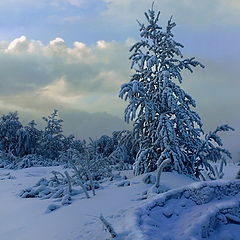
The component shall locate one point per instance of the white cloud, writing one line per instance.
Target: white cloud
(23, 45)
(102, 44)
(58, 92)
(54, 73)
(83, 77)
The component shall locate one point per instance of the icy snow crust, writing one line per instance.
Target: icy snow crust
(190, 213)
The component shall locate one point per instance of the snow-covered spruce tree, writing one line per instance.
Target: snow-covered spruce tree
(164, 122)
(9, 126)
(51, 142)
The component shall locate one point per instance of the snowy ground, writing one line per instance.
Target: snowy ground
(26, 219)
(193, 212)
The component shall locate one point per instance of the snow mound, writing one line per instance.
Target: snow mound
(192, 212)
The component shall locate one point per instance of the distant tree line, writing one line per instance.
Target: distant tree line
(26, 146)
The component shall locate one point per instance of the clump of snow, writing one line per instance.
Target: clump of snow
(123, 184)
(5, 176)
(149, 178)
(52, 207)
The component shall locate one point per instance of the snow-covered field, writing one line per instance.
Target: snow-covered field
(170, 215)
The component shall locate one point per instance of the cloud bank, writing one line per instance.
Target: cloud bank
(88, 78)
(81, 77)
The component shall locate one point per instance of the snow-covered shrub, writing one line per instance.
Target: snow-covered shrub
(26, 146)
(116, 151)
(124, 184)
(59, 186)
(164, 123)
(91, 185)
(149, 178)
(34, 160)
(6, 176)
(88, 163)
(117, 177)
(8, 160)
(117, 159)
(87, 167)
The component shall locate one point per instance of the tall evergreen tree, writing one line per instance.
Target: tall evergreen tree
(164, 122)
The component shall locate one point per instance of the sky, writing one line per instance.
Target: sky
(72, 55)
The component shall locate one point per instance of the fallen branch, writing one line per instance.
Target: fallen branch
(108, 227)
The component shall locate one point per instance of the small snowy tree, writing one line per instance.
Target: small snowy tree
(9, 126)
(125, 149)
(28, 137)
(164, 122)
(82, 157)
(51, 143)
(104, 146)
